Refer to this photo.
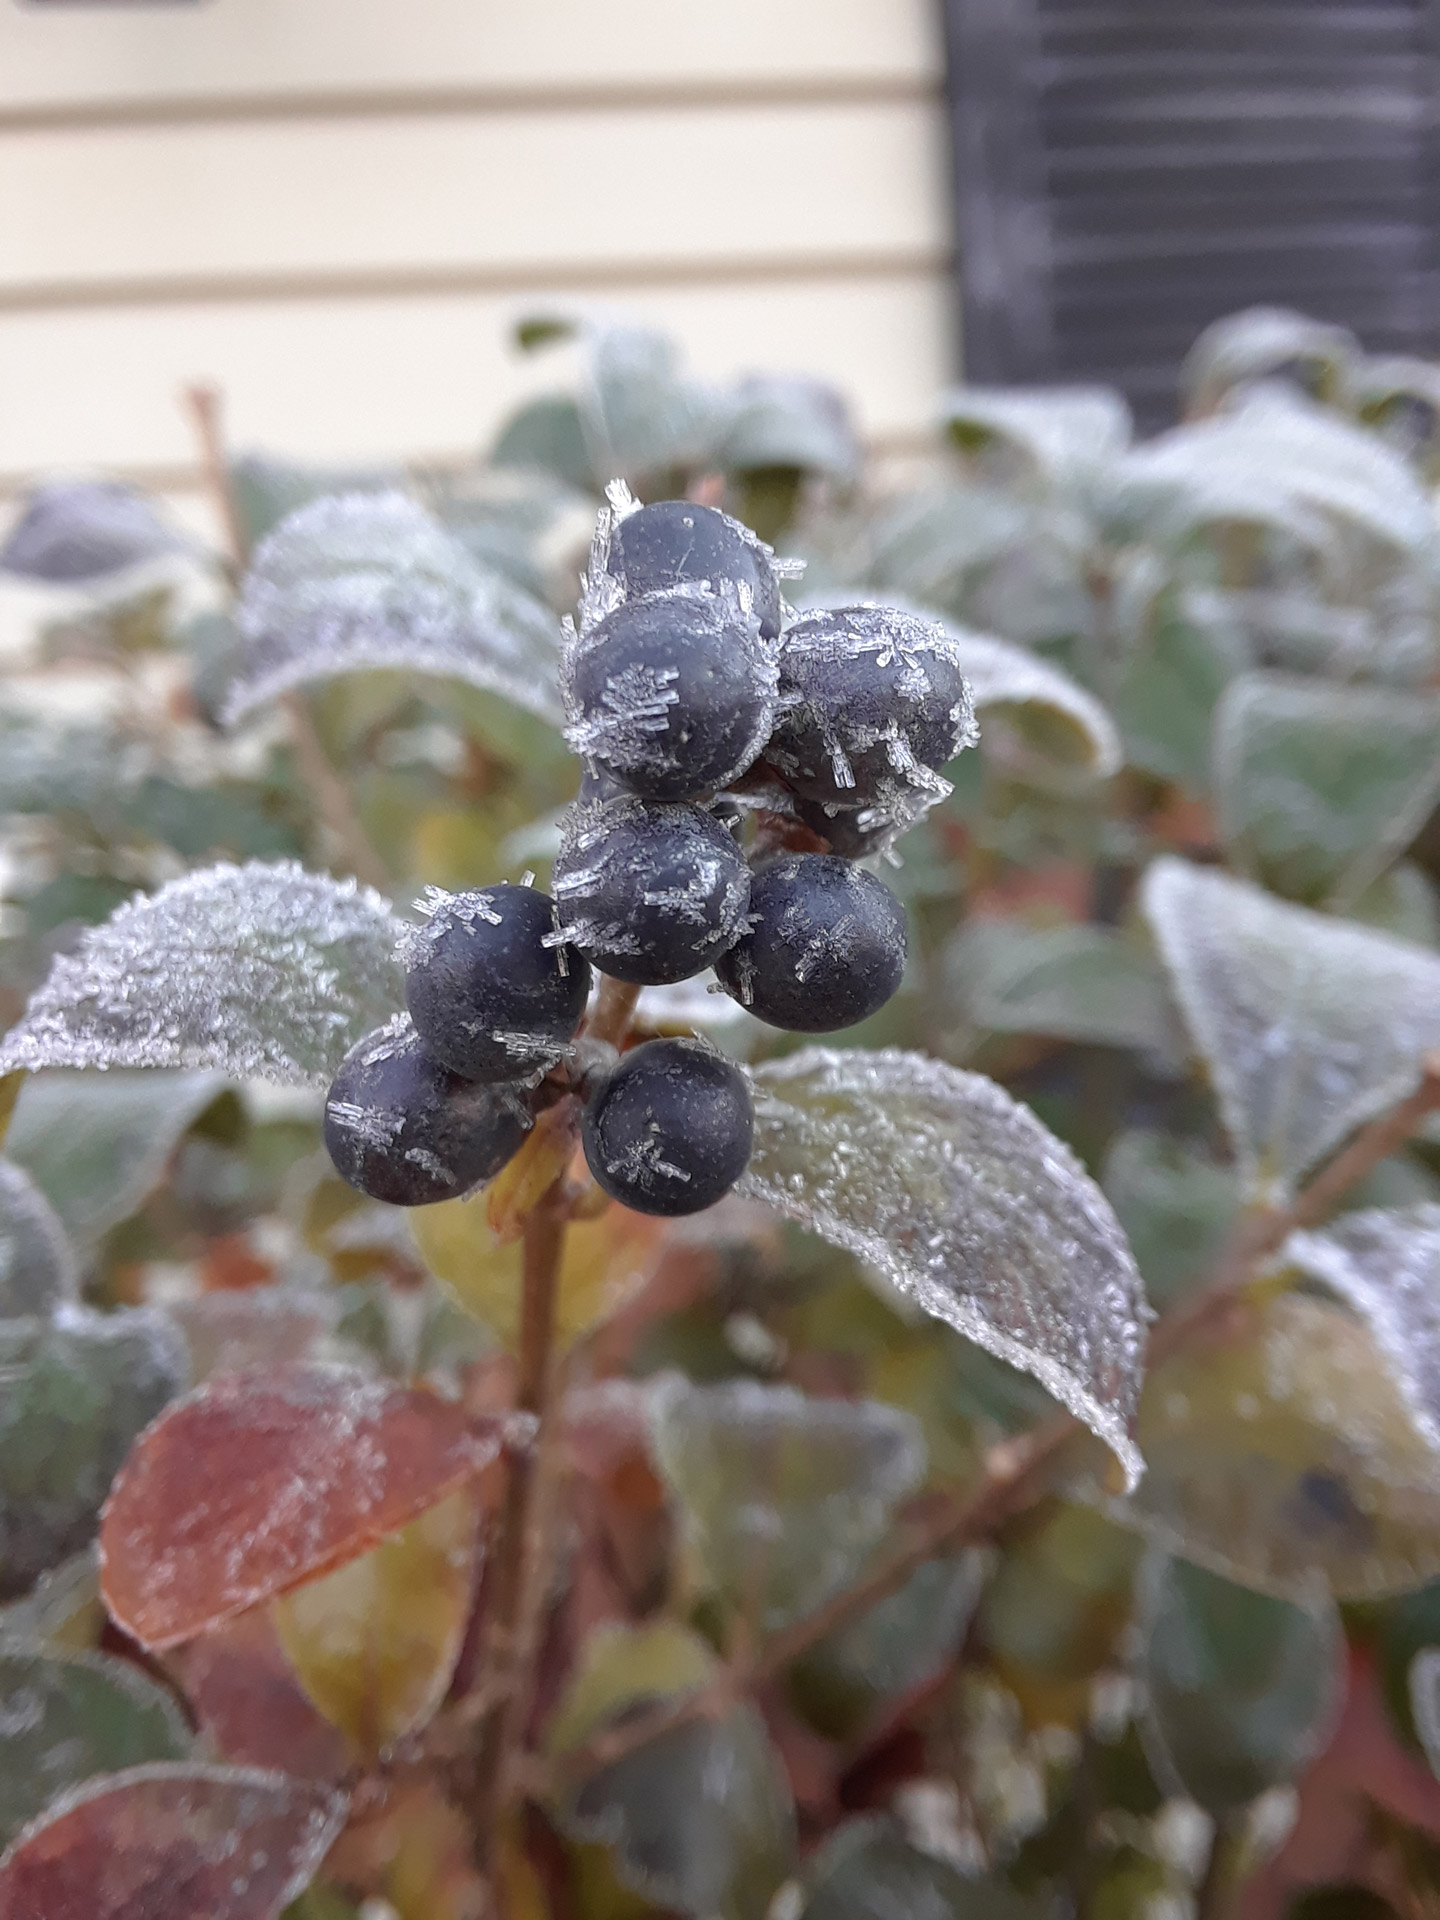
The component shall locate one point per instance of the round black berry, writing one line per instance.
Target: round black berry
(489, 998)
(674, 694)
(872, 700)
(825, 948)
(669, 1128)
(674, 542)
(650, 893)
(402, 1128)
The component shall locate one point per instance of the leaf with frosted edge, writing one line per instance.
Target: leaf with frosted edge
(261, 971)
(76, 1391)
(1258, 343)
(62, 1610)
(375, 1642)
(266, 490)
(74, 533)
(1385, 1265)
(867, 1870)
(1309, 1025)
(965, 1202)
(642, 412)
(1061, 434)
(172, 1841)
(1081, 983)
(64, 1718)
(784, 1496)
(786, 420)
(1283, 1455)
(1319, 787)
(38, 1272)
(97, 1145)
(359, 581)
(334, 1462)
(1241, 1688)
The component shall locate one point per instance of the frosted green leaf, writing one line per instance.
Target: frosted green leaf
(63, 763)
(785, 420)
(1402, 902)
(266, 490)
(1081, 983)
(261, 971)
(867, 1870)
(965, 1202)
(1262, 343)
(1318, 787)
(1241, 1688)
(1176, 1204)
(63, 1611)
(1424, 1682)
(642, 412)
(96, 1146)
(37, 1264)
(64, 1718)
(784, 1496)
(1058, 435)
(76, 532)
(1385, 1265)
(363, 580)
(1308, 1025)
(1182, 648)
(74, 1393)
(1398, 397)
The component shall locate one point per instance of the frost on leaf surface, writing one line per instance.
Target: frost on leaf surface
(1060, 436)
(259, 971)
(172, 1839)
(1385, 1266)
(37, 1265)
(1309, 1025)
(333, 1463)
(364, 580)
(76, 532)
(961, 1198)
(784, 1495)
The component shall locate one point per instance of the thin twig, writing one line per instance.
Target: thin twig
(206, 407)
(1223, 1866)
(332, 796)
(614, 1009)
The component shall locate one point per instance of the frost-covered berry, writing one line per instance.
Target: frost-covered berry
(669, 1128)
(674, 542)
(489, 998)
(825, 946)
(650, 893)
(872, 701)
(672, 695)
(402, 1128)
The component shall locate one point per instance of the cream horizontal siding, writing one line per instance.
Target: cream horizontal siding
(335, 210)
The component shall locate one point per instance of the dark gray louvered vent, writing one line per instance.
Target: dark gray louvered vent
(1129, 170)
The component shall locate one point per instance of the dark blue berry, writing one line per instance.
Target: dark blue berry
(669, 1128)
(825, 946)
(674, 542)
(673, 695)
(402, 1128)
(650, 893)
(489, 998)
(872, 703)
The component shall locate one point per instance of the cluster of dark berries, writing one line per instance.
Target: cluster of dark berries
(690, 702)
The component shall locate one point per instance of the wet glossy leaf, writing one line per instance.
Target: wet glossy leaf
(171, 1842)
(365, 580)
(80, 531)
(332, 1464)
(967, 1203)
(37, 1264)
(1176, 1204)
(867, 1870)
(1262, 343)
(784, 1496)
(375, 1642)
(249, 1705)
(1082, 983)
(63, 1719)
(1286, 1454)
(257, 970)
(1308, 1025)
(1317, 786)
(97, 1145)
(1242, 1689)
(73, 1395)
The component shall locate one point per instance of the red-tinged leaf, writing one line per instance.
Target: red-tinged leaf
(244, 1693)
(172, 1842)
(256, 1483)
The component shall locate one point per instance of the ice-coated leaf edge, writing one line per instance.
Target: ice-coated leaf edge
(1060, 1381)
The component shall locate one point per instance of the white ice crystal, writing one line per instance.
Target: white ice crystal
(37, 1264)
(1309, 1025)
(261, 970)
(962, 1199)
(365, 580)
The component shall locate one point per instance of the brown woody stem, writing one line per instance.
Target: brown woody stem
(614, 1008)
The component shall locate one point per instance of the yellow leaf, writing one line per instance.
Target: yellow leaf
(547, 1152)
(375, 1642)
(10, 1085)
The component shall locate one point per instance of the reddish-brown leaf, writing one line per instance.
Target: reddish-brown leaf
(256, 1483)
(171, 1843)
(244, 1693)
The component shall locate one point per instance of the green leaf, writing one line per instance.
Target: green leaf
(37, 1264)
(266, 491)
(1176, 1205)
(1265, 343)
(96, 1145)
(1319, 787)
(1080, 983)
(547, 433)
(1242, 1689)
(1309, 1026)
(784, 1496)
(625, 1667)
(1425, 1703)
(63, 1610)
(1060, 437)
(1054, 1610)
(643, 414)
(867, 1871)
(1182, 650)
(264, 971)
(964, 1201)
(1401, 902)
(76, 1393)
(784, 420)
(64, 1719)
